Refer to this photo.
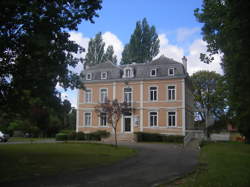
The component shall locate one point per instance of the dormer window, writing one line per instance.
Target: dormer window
(153, 73)
(89, 76)
(128, 73)
(104, 75)
(171, 71)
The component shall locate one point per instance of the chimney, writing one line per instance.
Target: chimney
(184, 62)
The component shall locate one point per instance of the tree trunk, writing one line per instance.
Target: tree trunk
(115, 138)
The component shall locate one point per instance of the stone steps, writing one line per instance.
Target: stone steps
(121, 137)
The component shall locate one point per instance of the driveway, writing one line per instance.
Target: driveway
(154, 164)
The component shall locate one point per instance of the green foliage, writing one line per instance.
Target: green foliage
(109, 55)
(80, 136)
(36, 54)
(226, 29)
(155, 137)
(143, 44)
(61, 137)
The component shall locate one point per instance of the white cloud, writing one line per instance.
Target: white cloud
(194, 63)
(111, 39)
(169, 50)
(184, 33)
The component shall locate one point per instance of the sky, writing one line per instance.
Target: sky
(178, 30)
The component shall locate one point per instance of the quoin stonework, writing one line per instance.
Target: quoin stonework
(159, 91)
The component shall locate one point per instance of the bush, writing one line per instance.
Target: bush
(61, 137)
(80, 136)
(154, 137)
(72, 136)
(102, 133)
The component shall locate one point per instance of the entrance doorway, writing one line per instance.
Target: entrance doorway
(127, 123)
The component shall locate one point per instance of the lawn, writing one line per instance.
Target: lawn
(28, 160)
(221, 165)
(22, 139)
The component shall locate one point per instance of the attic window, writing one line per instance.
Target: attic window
(103, 75)
(171, 71)
(128, 73)
(153, 73)
(89, 76)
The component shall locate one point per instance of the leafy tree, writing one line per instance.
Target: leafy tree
(114, 111)
(72, 119)
(109, 55)
(209, 95)
(35, 53)
(143, 44)
(96, 53)
(226, 29)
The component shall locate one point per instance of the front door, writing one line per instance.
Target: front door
(127, 124)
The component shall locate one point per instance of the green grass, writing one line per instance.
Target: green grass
(28, 160)
(22, 139)
(221, 165)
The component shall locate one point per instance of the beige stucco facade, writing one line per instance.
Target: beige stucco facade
(140, 118)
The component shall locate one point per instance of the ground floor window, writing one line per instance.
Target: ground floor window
(172, 119)
(103, 119)
(153, 119)
(87, 118)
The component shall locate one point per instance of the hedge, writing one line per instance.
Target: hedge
(154, 137)
(71, 135)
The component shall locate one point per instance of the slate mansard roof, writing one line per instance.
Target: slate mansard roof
(141, 71)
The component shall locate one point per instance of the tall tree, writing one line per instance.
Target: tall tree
(109, 55)
(226, 29)
(96, 53)
(143, 44)
(35, 53)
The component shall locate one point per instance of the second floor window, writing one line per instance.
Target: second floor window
(171, 71)
(103, 75)
(171, 92)
(88, 96)
(171, 119)
(128, 95)
(103, 95)
(103, 119)
(153, 73)
(153, 93)
(153, 119)
(89, 76)
(87, 118)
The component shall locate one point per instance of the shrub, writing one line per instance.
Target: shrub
(102, 133)
(154, 137)
(80, 136)
(67, 131)
(61, 137)
(72, 136)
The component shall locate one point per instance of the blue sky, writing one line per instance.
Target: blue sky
(177, 28)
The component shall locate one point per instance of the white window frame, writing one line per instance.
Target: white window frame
(90, 120)
(131, 74)
(104, 77)
(171, 126)
(85, 96)
(149, 93)
(151, 75)
(89, 76)
(100, 120)
(129, 92)
(171, 99)
(149, 119)
(100, 95)
(170, 73)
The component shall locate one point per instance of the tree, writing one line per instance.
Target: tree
(95, 54)
(114, 111)
(226, 29)
(209, 95)
(35, 53)
(143, 44)
(109, 55)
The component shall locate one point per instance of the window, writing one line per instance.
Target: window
(87, 118)
(153, 93)
(103, 95)
(153, 119)
(171, 71)
(89, 76)
(171, 92)
(103, 75)
(128, 72)
(103, 119)
(88, 96)
(128, 95)
(171, 119)
(153, 73)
